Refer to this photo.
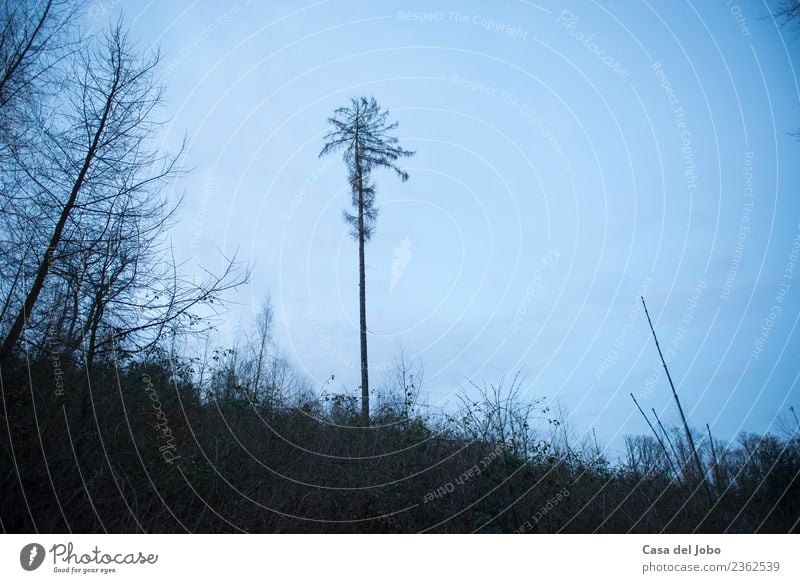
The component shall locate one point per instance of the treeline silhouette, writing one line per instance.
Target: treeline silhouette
(142, 446)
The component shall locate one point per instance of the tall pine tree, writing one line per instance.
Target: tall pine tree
(362, 132)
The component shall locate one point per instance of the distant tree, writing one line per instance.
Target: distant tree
(403, 384)
(260, 344)
(365, 138)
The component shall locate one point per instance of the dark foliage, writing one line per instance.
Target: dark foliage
(141, 447)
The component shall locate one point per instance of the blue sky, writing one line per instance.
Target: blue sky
(570, 157)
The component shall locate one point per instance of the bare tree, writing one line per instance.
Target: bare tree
(260, 345)
(81, 150)
(403, 384)
(365, 138)
(35, 36)
(33, 39)
(94, 187)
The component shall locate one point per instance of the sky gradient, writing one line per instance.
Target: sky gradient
(570, 157)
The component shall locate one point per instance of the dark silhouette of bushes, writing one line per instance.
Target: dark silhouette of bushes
(140, 446)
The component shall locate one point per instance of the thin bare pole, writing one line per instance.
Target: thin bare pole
(658, 438)
(680, 409)
(666, 437)
(714, 458)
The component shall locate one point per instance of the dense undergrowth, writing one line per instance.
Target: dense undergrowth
(147, 448)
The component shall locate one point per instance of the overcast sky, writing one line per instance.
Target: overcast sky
(570, 158)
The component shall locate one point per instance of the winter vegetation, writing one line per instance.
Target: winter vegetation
(122, 412)
(238, 442)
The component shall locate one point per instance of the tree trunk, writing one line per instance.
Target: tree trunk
(362, 297)
(362, 281)
(55, 239)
